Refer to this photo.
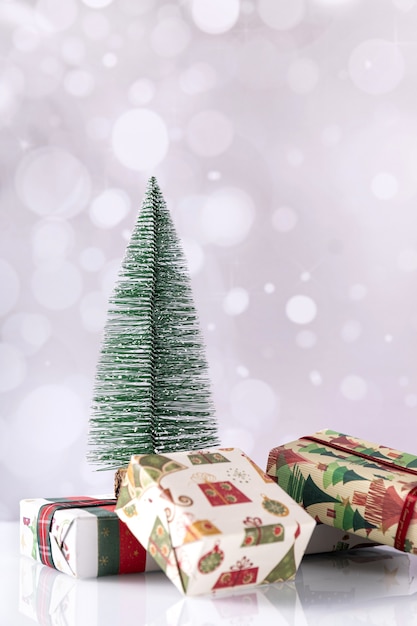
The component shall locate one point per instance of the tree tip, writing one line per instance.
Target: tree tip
(152, 182)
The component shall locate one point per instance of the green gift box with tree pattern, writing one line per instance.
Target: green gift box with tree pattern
(351, 484)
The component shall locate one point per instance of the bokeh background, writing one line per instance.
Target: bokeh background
(283, 134)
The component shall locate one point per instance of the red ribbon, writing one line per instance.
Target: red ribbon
(46, 516)
(410, 500)
(368, 457)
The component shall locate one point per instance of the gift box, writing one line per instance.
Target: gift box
(351, 484)
(213, 520)
(82, 537)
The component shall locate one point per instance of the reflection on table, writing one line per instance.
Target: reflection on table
(359, 586)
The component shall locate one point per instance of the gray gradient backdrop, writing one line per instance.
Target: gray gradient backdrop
(283, 134)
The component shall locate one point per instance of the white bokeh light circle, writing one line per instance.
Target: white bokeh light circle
(284, 219)
(257, 53)
(209, 133)
(52, 239)
(57, 288)
(331, 135)
(242, 371)
(358, 291)
(73, 50)
(26, 38)
(57, 16)
(215, 17)
(27, 331)
(5, 444)
(236, 301)
(281, 14)
(301, 309)
(170, 37)
(269, 288)
(98, 128)
(141, 92)
(404, 5)
(93, 311)
(295, 157)
(303, 75)
(316, 378)
(140, 139)
(407, 260)
(198, 78)
(227, 216)
(79, 83)
(108, 277)
(12, 367)
(92, 259)
(384, 186)
(237, 438)
(253, 402)
(376, 66)
(306, 339)
(194, 254)
(40, 424)
(109, 59)
(410, 400)
(51, 181)
(109, 208)
(351, 331)
(46, 79)
(96, 26)
(12, 86)
(97, 4)
(10, 287)
(353, 387)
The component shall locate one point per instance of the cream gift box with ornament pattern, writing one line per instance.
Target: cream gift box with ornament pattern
(213, 520)
(351, 484)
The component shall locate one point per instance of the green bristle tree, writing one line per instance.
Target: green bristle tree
(152, 390)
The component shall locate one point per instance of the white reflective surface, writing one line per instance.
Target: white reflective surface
(370, 586)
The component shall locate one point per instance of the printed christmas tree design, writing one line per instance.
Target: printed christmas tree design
(335, 474)
(348, 518)
(284, 570)
(306, 492)
(152, 391)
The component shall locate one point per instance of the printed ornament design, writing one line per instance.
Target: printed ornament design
(220, 493)
(274, 507)
(196, 529)
(202, 457)
(256, 533)
(241, 574)
(211, 561)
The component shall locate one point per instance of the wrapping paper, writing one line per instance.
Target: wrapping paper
(351, 484)
(213, 520)
(82, 537)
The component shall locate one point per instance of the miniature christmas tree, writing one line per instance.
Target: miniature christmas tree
(152, 391)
